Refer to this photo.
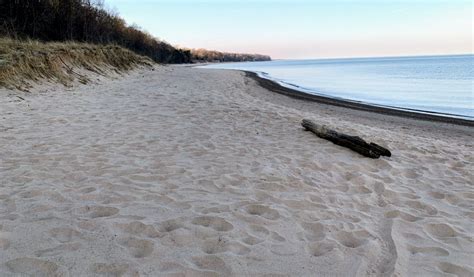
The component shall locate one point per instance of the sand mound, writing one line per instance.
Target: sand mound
(24, 63)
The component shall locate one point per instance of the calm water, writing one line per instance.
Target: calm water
(433, 84)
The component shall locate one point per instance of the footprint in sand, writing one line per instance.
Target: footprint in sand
(169, 225)
(268, 186)
(216, 223)
(168, 266)
(64, 234)
(437, 194)
(263, 211)
(59, 250)
(87, 190)
(318, 249)
(411, 174)
(138, 248)
(114, 269)
(32, 267)
(405, 216)
(455, 269)
(4, 244)
(276, 237)
(215, 209)
(422, 207)
(428, 251)
(99, 211)
(220, 245)
(214, 246)
(441, 230)
(348, 239)
(250, 240)
(138, 228)
(378, 187)
(285, 249)
(258, 231)
(314, 231)
(213, 263)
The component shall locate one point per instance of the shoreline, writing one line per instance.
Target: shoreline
(293, 93)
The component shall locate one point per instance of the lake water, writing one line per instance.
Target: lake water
(429, 84)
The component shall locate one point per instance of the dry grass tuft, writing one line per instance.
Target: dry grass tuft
(25, 62)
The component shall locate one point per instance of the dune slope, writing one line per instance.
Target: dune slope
(23, 64)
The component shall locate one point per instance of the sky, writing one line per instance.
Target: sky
(302, 29)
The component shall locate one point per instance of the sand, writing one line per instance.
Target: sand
(193, 172)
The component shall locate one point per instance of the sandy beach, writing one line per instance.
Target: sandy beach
(182, 171)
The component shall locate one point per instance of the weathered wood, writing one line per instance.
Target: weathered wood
(354, 143)
(382, 150)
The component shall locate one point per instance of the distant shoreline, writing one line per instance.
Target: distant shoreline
(293, 93)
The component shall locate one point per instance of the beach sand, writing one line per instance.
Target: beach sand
(197, 172)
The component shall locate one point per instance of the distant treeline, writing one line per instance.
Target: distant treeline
(203, 55)
(88, 21)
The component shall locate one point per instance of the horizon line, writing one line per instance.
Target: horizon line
(372, 57)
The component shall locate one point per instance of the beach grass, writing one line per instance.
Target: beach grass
(23, 63)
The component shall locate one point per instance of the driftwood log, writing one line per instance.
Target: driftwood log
(354, 143)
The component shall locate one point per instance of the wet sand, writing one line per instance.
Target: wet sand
(356, 105)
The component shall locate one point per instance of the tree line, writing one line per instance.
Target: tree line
(88, 21)
(203, 55)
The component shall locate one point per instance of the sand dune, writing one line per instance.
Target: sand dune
(193, 172)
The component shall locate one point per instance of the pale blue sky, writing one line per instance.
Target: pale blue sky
(308, 29)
